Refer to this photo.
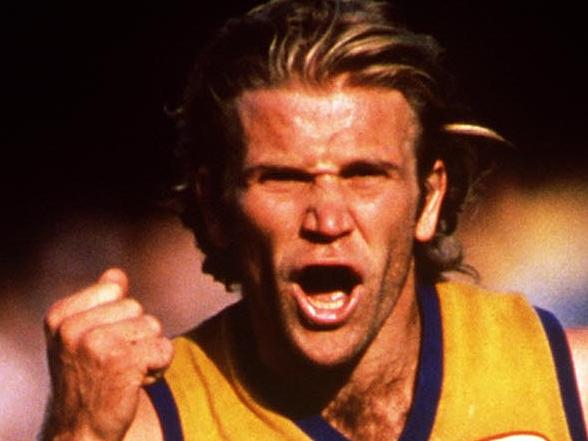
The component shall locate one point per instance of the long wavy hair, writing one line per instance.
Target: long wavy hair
(316, 42)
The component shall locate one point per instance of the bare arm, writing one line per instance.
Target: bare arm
(102, 349)
(146, 425)
(578, 340)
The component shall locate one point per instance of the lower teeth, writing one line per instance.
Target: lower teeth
(330, 301)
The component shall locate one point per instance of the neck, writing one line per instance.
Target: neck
(364, 400)
(375, 401)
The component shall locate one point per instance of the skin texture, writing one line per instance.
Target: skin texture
(329, 179)
(326, 210)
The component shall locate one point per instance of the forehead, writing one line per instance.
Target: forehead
(298, 120)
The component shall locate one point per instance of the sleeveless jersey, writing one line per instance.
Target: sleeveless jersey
(490, 366)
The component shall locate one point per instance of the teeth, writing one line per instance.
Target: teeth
(331, 301)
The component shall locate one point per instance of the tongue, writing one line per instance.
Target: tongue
(331, 301)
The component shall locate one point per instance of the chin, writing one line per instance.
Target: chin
(326, 350)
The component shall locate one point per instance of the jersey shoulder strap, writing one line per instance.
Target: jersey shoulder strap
(209, 401)
(501, 373)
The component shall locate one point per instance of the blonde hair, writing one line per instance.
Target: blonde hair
(317, 42)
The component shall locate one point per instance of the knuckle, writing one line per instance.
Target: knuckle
(106, 348)
(51, 321)
(92, 343)
(108, 291)
(132, 307)
(153, 323)
(67, 334)
(164, 352)
(158, 354)
(55, 315)
(166, 348)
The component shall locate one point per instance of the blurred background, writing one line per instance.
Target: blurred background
(84, 144)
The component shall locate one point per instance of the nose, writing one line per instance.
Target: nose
(327, 217)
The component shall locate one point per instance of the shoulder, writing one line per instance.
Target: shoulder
(578, 341)
(199, 355)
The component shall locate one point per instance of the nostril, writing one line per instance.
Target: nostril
(317, 237)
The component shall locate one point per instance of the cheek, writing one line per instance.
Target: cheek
(387, 219)
(265, 223)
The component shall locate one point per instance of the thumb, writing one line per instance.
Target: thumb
(117, 276)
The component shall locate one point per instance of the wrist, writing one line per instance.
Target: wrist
(79, 434)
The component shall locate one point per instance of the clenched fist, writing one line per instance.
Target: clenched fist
(102, 348)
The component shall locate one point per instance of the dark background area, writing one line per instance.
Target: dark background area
(84, 86)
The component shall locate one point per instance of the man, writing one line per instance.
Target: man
(324, 170)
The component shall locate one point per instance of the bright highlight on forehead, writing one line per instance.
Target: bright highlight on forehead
(337, 106)
(322, 113)
(340, 102)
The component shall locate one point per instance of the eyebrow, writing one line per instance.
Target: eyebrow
(347, 169)
(364, 166)
(269, 169)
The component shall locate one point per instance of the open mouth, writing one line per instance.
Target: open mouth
(317, 280)
(327, 295)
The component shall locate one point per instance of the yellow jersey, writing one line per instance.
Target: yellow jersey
(490, 366)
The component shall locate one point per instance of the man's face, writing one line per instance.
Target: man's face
(327, 215)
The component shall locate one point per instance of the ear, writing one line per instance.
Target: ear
(204, 197)
(435, 188)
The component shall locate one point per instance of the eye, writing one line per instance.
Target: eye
(365, 175)
(284, 175)
(283, 179)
